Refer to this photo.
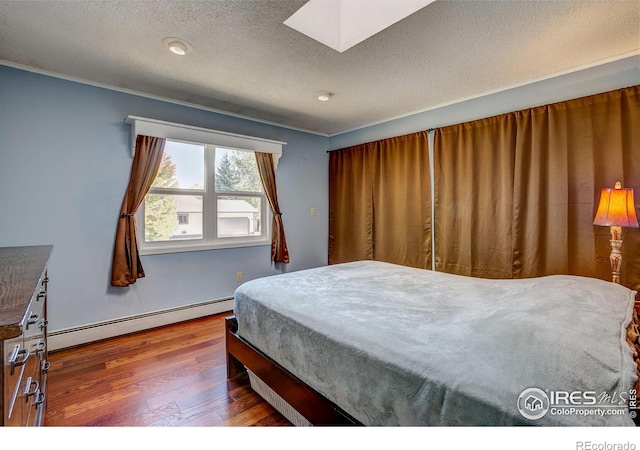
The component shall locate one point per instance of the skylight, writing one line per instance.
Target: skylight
(341, 24)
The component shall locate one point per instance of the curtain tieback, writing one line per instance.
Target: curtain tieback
(278, 213)
(127, 215)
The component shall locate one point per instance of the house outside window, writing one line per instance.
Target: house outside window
(183, 219)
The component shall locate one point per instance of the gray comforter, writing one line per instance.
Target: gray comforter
(393, 345)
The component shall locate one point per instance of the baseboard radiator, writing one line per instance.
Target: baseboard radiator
(71, 337)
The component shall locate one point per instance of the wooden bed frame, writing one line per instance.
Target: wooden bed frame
(314, 407)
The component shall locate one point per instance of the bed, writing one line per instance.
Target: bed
(378, 344)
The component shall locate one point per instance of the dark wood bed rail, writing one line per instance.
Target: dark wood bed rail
(241, 356)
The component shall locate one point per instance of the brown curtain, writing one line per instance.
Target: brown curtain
(473, 184)
(563, 154)
(582, 145)
(279, 250)
(126, 267)
(350, 204)
(625, 134)
(380, 202)
(557, 178)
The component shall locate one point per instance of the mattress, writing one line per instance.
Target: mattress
(393, 345)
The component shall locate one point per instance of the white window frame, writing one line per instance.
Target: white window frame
(211, 139)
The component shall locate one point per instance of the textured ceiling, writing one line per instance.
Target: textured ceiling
(247, 62)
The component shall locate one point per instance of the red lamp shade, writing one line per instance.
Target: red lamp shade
(616, 208)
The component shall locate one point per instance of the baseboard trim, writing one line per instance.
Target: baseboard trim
(71, 337)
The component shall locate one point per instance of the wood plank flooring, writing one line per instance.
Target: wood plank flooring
(169, 376)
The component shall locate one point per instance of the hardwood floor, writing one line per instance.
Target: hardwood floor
(169, 376)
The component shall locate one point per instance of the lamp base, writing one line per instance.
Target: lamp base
(616, 259)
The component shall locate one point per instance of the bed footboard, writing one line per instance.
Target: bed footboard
(309, 403)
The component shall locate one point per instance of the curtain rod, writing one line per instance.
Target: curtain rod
(428, 130)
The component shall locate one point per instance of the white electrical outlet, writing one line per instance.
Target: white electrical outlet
(239, 276)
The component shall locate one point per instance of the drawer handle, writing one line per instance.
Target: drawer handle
(43, 324)
(13, 360)
(42, 294)
(45, 280)
(32, 320)
(35, 384)
(14, 354)
(45, 366)
(40, 400)
(40, 346)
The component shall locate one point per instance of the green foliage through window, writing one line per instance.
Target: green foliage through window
(160, 210)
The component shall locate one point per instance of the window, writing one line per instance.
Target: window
(207, 194)
(204, 196)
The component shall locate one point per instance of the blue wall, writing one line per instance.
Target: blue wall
(65, 161)
(593, 80)
(64, 166)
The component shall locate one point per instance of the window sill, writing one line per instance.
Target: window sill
(162, 249)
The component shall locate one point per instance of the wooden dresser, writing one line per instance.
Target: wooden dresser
(23, 334)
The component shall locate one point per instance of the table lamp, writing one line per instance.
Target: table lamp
(616, 210)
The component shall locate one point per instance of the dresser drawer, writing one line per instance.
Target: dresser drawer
(34, 379)
(32, 398)
(23, 334)
(32, 392)
(34, 320)
(15, 359)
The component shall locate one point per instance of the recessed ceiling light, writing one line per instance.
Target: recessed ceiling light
(177, 46)
(324, 96)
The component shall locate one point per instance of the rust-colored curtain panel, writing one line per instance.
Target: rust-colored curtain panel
(626, 135)
(402, 200)
(473, 183)
(279, 250)
(380, 202)
(566, 153)
(562, 156)
(350, 205)
(126, 265)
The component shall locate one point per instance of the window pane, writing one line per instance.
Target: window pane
(182, 167)
(239, 216)
(172, 217)
(236, 171)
